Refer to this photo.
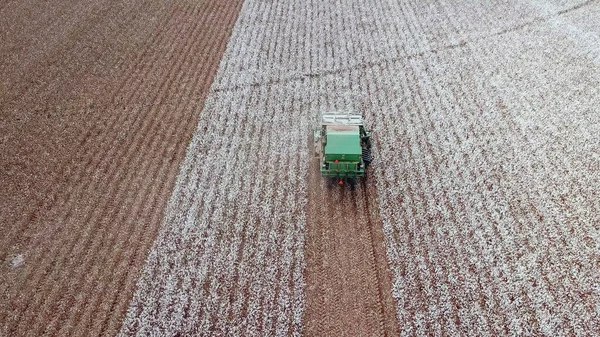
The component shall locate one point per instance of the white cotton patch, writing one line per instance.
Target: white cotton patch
(569, 25)
(17, 261)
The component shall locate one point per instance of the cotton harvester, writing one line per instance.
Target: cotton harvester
(343, 147)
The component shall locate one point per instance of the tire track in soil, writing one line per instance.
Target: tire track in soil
(349, 283)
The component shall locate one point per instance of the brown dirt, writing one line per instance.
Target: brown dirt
(98, 101)
(349, 283)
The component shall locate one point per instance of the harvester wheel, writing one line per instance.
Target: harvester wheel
(366, 156)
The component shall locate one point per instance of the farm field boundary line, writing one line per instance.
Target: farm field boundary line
(348, 280)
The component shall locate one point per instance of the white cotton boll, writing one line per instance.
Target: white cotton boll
(17, 261)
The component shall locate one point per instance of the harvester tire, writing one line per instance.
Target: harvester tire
(366, 156)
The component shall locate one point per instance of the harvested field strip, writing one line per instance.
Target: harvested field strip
(118, 192)
(102, 130)
(135, 144)
(348, 282)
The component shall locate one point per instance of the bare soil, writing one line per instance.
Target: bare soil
(98, 101)
(349, 283)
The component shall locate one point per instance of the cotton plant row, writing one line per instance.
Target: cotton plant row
(290, 40)
(229, 259)
(476, 230)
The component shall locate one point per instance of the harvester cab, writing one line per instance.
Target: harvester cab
(343, 146)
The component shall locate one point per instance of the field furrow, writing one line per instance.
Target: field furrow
(83, 241)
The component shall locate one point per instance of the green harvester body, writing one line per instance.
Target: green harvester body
(343, 146)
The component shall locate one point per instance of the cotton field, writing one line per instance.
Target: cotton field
(481, 212)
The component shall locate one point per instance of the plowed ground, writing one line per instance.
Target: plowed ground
(98, 100)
